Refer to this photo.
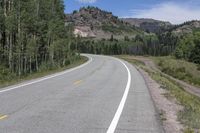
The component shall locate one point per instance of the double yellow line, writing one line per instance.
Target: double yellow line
(3, 117)
(78, 82)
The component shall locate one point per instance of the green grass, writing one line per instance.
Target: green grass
(180, 69)
(190, 115)
(7, 78)
(119, 29)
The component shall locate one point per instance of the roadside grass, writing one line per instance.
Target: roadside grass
(7, 78)
(131, 60)
(190, 115)
(180, 69)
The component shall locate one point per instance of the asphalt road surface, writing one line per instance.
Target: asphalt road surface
(104, 95)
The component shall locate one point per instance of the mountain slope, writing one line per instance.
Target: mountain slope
(186, 28)
(94, 22)
(149, 25)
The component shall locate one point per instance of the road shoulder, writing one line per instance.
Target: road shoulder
(168, 109)
(140, 114)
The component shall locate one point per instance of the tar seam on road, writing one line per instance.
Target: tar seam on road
(116, 118)
(48, 77)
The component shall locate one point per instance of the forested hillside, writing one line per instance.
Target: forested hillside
(33, 36)
(187, 44)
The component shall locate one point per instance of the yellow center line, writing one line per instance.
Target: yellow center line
(3, 117)
(77, 82)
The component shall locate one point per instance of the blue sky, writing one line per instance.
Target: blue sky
(174, 11)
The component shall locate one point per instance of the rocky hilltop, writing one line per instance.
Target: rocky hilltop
(94, 22)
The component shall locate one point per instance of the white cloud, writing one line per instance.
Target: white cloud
(172, 12)
(87, 1)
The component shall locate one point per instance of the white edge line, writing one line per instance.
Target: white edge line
(116, 118)
(48, 77)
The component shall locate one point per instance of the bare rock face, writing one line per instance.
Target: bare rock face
(84, 31)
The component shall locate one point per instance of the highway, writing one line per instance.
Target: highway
(104, 95)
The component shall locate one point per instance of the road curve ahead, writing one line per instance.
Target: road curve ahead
(105, 95)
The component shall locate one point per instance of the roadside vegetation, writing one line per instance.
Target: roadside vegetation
(7, 78)
(180, 69)
(34, 39)
(190, 115)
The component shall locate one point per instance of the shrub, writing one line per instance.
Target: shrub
(6, 74)
(198, 67)
(160, 63)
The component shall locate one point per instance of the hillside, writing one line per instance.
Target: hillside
(149, 25)
(94, 22)
(186, 28)
(185, 40)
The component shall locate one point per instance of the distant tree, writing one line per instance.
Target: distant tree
(126, 38)
(195, 54)
(75, 11)
(111, 38)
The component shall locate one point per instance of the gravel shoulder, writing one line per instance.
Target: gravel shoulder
(167, 108)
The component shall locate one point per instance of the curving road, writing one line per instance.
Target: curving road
(103, 95)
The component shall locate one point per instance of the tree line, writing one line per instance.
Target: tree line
(139, 45)
(33, 36)
(185, 47)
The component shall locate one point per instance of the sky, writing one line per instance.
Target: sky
(174, 11)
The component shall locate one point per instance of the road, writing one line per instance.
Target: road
(103, 95)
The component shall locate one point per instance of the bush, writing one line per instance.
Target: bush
(198, 67)
(195, 54)
(6, 74)
(188, 130)
(178, 53)
(160, 63)
(181, 69)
